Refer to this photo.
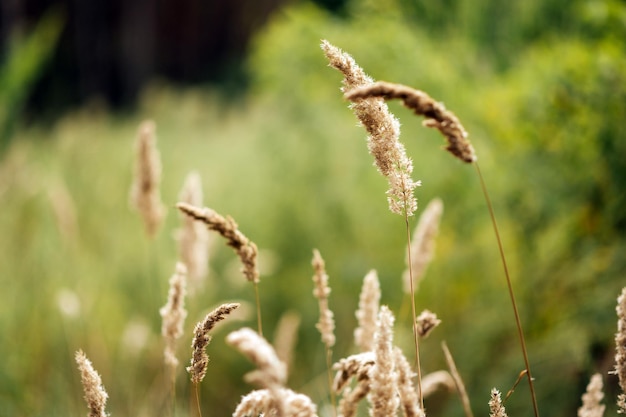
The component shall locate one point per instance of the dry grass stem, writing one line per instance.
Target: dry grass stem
(408, 395)
(173, 314)
(349, 403)
(193, 237)
(496, 408)
(592, 399)
(458, 381)
(326, 323)
(435, 381)
(620, 350)
(200, 359)
(384, 131)
(227, 228)
(422, 105)
(383, 375)
(426, 323)
(262, 402)
(95, 395)
(367, 313)
(286, 336)
(145, 194)
(423, 244)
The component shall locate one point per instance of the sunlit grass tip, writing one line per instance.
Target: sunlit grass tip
(423, 105)
(95, 395)
(201, 339)
(173, 314)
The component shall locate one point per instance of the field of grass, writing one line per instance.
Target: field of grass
(288, 162)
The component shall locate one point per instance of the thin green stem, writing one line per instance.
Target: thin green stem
(518, 322)
(414, 314)
(329, 364)
(258, 308)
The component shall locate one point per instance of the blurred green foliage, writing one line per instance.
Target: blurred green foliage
(289, 164)
(24, 59)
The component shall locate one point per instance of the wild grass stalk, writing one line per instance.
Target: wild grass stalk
(244, 247)
(326, 323)
(173, 316)
(145, 195)
(592, 398)
(458, 145)
(95, 395)
(389, 154)
(458, 381)
(201, 339)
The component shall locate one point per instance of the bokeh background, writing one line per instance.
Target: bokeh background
(241, 92)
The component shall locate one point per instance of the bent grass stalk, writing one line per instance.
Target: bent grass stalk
(389, 154)
(244, 247)
(458, 145)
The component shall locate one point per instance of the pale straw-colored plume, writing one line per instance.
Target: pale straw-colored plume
(145, 194)
(353, 367)
(227, 228)
(423, 244)
(95, 395)
(458, 381)
(321, 291)
(384, 131)
(367, 313)
(173, 314)
(201, 338)
(408, 395)
(271, 371)
(261, 402)
(383, 375)
(426, 323)
(435, 381)
(286, 336)
(620, 350)
(193, 236)
(496, 408)
(422, 105)
(592, 399)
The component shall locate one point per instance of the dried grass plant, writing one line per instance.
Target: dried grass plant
(380, 371)
(145, 195)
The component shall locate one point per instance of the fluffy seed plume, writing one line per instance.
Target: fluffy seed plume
(286, 336)
(193, 237)
(592, 399)
(227, 227)
(426, 323)
(201, 338)
(383, 375)
(145, 195)
(384, 131)
(496, 408)
(173, 314)
(620, 350)
(271, 371)
(423, 244)
(367, 313)
(423, 105)
(95, 395)
(261, 402)
(326, 323)
(408, 395)
(435, 381)
(358, 367)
